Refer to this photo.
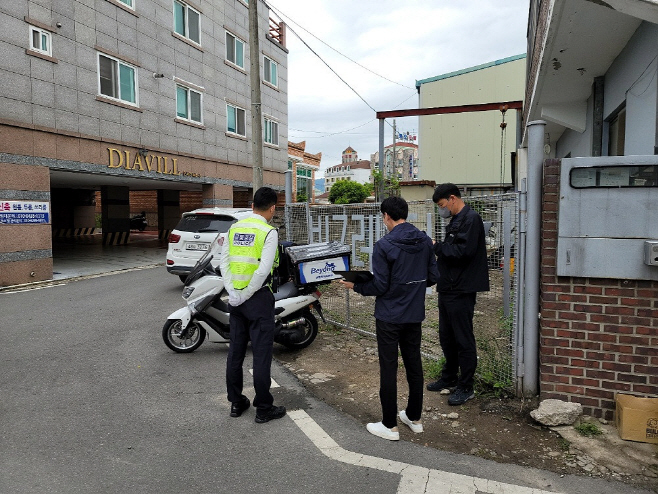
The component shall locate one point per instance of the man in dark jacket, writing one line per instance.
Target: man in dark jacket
(403, 267)
(462, 260)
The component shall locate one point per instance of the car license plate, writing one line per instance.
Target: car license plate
(201, 246)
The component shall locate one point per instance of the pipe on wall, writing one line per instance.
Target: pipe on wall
(532, 257)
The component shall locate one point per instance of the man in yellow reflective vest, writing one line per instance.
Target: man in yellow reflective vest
(249, 256)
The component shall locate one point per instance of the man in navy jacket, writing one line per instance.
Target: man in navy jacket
(403, 265)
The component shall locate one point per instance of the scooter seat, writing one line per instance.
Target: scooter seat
(285, 291)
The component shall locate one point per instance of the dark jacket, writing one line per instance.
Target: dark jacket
(462, 256)
(403, 266)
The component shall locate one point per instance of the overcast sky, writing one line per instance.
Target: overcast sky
(403, 41)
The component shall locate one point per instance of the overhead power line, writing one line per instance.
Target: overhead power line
(281, 15)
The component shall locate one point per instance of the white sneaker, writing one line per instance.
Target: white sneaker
(380, 430)
(415, 427)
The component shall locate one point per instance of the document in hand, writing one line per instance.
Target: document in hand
(355, 276)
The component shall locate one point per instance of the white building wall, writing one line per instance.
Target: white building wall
(465, 148)
(631, 81)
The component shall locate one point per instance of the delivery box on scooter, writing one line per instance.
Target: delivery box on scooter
(316, 263)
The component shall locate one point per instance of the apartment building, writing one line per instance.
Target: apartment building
(351, 169)
(120, 96)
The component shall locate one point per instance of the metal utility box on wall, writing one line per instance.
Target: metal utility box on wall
(608, 214)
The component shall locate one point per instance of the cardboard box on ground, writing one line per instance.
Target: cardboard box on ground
(637, 418)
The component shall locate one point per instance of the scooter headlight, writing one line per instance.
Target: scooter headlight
(187, 291)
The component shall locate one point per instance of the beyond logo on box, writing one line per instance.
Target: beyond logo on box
(322, 270)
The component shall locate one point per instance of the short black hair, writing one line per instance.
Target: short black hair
(264, 199)
(396, 207)
(444, 191)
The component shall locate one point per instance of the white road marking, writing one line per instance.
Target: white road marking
(274, 383)
(414, 479)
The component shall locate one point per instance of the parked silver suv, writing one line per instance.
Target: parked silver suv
(194, 233)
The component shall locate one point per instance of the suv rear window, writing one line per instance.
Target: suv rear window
(199, 223)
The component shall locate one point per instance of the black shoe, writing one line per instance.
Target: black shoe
(271, 414)
(460, 396)
(442, 384)
(239, 406)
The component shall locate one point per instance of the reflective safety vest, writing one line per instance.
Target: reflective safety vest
(246, 241)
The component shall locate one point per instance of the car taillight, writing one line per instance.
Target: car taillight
(173, 238)
(170, 262)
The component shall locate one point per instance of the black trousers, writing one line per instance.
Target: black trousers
(456, 337)
(407, 337)
(254, 319)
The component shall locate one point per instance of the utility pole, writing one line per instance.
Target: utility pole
(256, 110)
(394, 157)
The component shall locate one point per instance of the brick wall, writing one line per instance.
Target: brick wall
(598, 336)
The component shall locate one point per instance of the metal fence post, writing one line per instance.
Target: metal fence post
(507, 252)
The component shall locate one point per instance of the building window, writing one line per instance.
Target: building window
(235, 120)
(271, 131)
(117, 79)
(40, 41)
(234, 50)
(128, 3)
(270, 71)
(187, 22)
(188, 104)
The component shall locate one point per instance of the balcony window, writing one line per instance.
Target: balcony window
(234, 50)
(188, 104)
(117, 79)
(235, 120)
(187, 22)
(270, 68)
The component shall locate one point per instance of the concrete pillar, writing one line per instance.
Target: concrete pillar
(168, 212)
(115, 204)
(217, 196)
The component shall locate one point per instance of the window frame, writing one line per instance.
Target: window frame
(42, 32)
(188, 102)
(117, 81)
(128, 3)
(268, 123)
(237, 120)
(186, 21)
(234, 54)
(274, 63)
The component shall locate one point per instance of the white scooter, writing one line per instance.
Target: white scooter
(207, 314)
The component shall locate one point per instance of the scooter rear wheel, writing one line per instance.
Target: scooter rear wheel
(183, 341)
(310, 329)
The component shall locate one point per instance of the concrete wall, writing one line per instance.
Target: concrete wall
(630, 82)
(574, 144)
(598, 336)
(632, 79)
(465, 148)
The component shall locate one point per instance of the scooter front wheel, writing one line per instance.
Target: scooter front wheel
(183, 340)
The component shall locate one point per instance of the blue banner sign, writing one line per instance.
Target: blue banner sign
(24, 212)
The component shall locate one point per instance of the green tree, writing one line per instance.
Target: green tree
(385, 187)
(301, 196)
(347, 192)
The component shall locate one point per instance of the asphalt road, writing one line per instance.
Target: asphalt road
(92, 401)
